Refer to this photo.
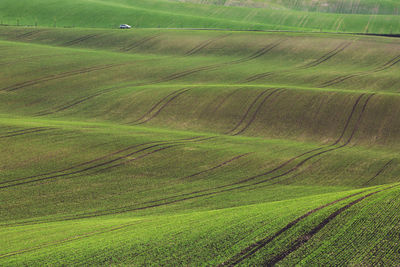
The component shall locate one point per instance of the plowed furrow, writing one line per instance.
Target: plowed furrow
(306, 237)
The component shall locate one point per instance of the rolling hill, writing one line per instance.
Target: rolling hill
(363, 16)
(196, 147)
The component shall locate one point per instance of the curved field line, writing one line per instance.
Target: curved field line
(28, 131)
(253, 248)
(169, 77)
(224, 99)
(312, 64)
(80, 39)
(327, 56)
(69, 239)
(58, 76)
(22, 181)
(215, 167)
(247, 112)
(157, 104)
(253, 117)
(342, 78)
(379, 172)
(204, 44)
(206, 192)
(305, 237)
(139, 43)
(98, 159)
(152, 116)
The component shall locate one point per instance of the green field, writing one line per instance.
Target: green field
(364, 16)
(214, 133)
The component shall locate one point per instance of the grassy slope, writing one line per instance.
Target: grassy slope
(81, 180)
(167, 14)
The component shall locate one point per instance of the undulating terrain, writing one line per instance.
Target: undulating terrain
(174, 147)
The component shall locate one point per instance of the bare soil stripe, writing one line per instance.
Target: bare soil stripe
(253, 248)
(380, 171)
(306, 237)
(253, 117)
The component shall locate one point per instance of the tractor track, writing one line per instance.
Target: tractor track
(172, 96)
(140, 42)
(26, 131)
(168, 78)
(59, 76)
(253, 117)
(312, 64)
(339, 79)
(224, 99)
(380, 171)
(247, 111)
(204, 44)
(217, 166)
(223, 188)
(253, 248)
(305, 237)
(155, 144)
(327, 56)
(80, 39)
(69, 239)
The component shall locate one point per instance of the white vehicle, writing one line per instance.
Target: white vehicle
(124, 26)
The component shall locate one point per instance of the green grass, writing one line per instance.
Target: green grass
(162, 147)
(362, 17)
